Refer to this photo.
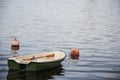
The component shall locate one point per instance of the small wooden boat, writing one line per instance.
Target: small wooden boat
(33, 62)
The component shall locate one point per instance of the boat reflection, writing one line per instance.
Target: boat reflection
(38, 75)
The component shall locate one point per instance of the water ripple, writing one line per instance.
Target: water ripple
(93, 26)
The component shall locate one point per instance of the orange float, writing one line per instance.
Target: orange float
(74, 53)
(15, 44)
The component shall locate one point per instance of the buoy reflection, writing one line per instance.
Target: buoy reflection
(74, 57)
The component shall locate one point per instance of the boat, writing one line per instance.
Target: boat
(38, 61)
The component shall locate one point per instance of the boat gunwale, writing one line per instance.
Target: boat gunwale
(50, 61)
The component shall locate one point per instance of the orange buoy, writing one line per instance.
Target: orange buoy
(15, 44)
(74, 53)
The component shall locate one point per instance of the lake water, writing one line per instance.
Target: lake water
(93, 26)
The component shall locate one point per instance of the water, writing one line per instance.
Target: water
(93, 26)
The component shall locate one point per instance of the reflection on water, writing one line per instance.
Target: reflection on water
(14, 53)
(38, 75)
(74, 57)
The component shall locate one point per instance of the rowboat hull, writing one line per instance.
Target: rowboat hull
(34, 75)
(34, 66)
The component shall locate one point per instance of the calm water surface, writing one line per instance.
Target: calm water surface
(93, 26)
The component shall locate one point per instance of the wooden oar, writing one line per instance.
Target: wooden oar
(49, 55)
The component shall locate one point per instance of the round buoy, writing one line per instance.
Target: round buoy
(74, 53)
(15, 44)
